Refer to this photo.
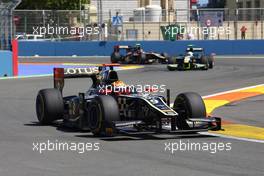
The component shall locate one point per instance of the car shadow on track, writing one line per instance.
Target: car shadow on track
(121, 137)
(32, 124)
(146, 137)
(58, 125)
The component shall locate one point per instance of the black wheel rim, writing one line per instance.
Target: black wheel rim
(94, 117)
(181, 107)
(40, 108)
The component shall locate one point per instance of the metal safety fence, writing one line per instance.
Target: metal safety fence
(180, 24)
(6, 23)
(5, 29)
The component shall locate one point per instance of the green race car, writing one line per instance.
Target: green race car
(193, 59)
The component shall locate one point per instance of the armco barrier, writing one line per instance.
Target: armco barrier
(9, 61)
(104, 48)
(6, 63)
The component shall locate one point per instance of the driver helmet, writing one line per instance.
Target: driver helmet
(190, 53)
(118, 84)
(138, 46)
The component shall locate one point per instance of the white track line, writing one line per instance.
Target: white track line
(231, 91)
(23, 77)
(232, 137)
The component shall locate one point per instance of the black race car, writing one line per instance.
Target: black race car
(136, 55)
(193, 59)
(110, 107)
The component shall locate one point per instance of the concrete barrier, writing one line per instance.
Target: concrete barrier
(6, 63)
(105, 48)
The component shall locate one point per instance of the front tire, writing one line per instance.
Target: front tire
(188, 105)
(172, 60)
(102, 111)
(170, 68)
(49, 106)
(167, 58)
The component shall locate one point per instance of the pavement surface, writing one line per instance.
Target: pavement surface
(250, 109)
(142, 155)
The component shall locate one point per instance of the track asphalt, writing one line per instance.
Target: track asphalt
(142, 155)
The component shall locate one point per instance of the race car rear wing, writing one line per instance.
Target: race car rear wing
(59, 74)
(195, 49)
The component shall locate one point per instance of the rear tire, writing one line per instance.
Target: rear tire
(164, 55)
(49, 106)
(204, 60)
(102, 111)
(115, 57)
(188, 105)
(142, 59)
(211, 62)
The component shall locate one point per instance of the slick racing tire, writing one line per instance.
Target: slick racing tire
(142, 59)
(172, 60)
(188, 105)
(49, 106)
(167, 57)
(204, 61)
(101, 113)
(211, 62)
(170, 68)
(164, 55)
(127, 60)
(115, 57)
